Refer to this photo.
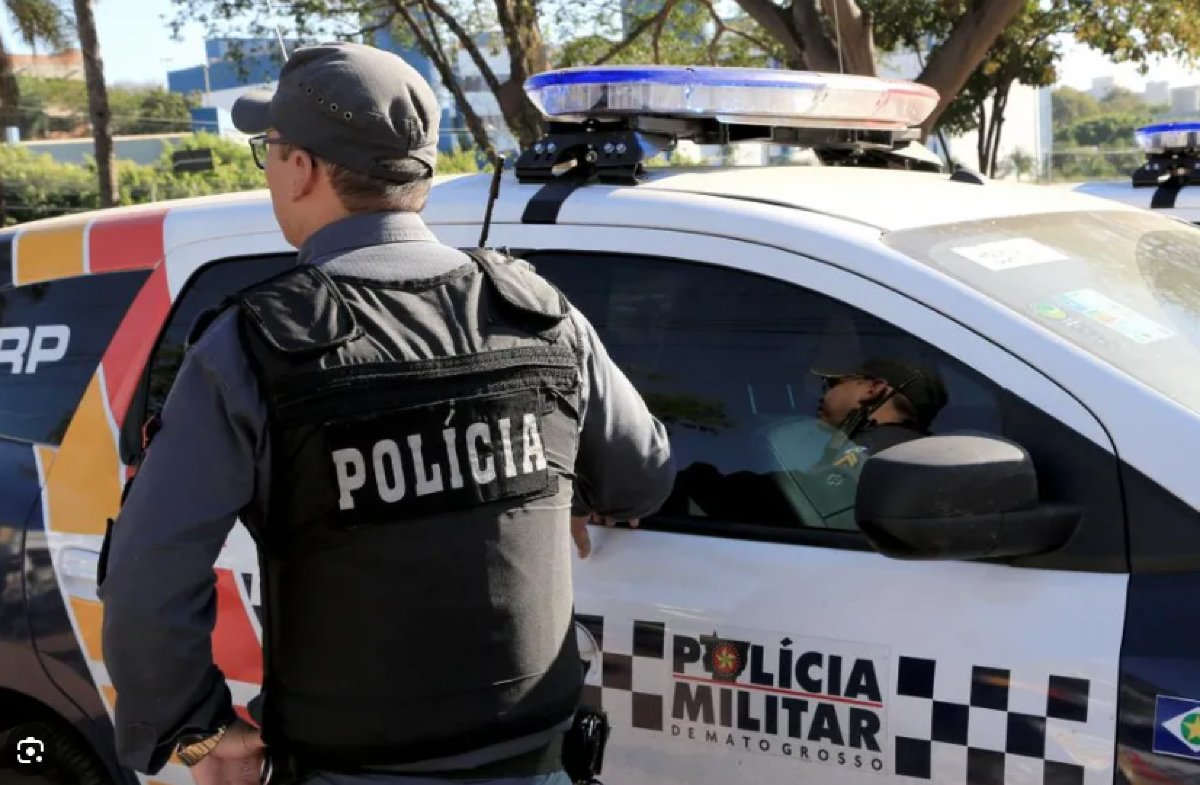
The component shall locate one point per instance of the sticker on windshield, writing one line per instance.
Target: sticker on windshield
(1008, 254)
(1116, 317)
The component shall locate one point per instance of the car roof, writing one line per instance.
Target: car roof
(887, 199)
(884, 199)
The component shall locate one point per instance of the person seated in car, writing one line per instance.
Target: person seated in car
(866, 408)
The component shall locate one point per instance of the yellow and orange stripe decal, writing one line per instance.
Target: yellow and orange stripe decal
(49, 253)
(84, 489)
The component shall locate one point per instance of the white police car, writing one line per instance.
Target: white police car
(1167, 182)
(1013, 617)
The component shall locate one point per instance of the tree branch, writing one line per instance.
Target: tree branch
(634, 34)
(953, 61)
(722, 27)
(777, 23)
(434, 35)
(375, 28)
(714, 46)
(656, 39)
(468, 43)
(474, 122)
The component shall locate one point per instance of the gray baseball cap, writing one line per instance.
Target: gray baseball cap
(353, 105)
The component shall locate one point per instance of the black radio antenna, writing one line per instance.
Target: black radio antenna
(493, 194)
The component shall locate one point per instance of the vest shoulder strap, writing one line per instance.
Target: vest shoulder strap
(529, 296)
(299, 312)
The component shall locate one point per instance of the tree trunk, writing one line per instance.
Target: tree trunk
(10, 92)
(819, 52)
(981, 141)
(855, 38)
(93, 67)
(999, 104)
(956, 58)
(527, 56)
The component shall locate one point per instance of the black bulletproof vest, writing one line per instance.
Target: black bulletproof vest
(416, 545)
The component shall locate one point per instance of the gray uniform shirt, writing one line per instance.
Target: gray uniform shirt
(211, 460)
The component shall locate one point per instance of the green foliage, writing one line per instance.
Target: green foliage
(59, 106)
(461, 161)
(38, 21)
(1028, 51)
(36, 186)
(1069, 106)
(691, 33)
(1082, 121)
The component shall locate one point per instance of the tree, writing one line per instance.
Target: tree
(1022, 163)
(1069, 105)
(93, 66)
(841, 35)
(440, 29)
(1025, 52)
(37, 22)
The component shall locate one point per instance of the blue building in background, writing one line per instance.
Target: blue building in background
(234, 65)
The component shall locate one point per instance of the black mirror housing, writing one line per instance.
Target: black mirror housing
(960, 496)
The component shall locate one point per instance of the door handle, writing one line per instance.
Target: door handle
(78, 566)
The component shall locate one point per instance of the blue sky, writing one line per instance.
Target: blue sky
(135, 40)
(137, 47)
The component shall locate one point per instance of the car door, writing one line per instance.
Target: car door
(68, 290)
(730, 640)
(165, 321)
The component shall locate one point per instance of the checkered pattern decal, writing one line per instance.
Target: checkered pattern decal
(625, 681)
(994, 727)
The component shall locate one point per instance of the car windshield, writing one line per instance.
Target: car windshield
(1123, 285)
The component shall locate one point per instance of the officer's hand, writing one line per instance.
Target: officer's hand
(579, 530)
(237, 760)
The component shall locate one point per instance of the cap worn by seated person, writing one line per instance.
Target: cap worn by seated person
(356, 106)
(922, 387)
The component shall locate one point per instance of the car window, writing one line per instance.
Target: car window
(206, 289)
(1122, 285)
(53, 336)
(724, 359)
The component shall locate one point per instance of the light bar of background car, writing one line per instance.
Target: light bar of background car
(752, 96)
(1168, 137)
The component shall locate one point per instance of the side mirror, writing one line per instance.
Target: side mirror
(958, 497)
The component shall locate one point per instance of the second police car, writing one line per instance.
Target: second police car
(1166, 181)
(1017, 607)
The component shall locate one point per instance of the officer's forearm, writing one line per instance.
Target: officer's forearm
(163, 673)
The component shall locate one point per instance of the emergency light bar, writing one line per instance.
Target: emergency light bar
(606, 121)
(1172, 154)
(752, 96)
(1168, 137)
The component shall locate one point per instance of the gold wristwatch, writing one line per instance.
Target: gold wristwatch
(192, 748)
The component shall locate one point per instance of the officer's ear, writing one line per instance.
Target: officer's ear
(306, 173)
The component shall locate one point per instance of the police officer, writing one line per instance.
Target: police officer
(405, 430)
(877, 404)
(881, 402)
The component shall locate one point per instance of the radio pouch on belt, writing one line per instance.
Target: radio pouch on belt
(583, 746)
